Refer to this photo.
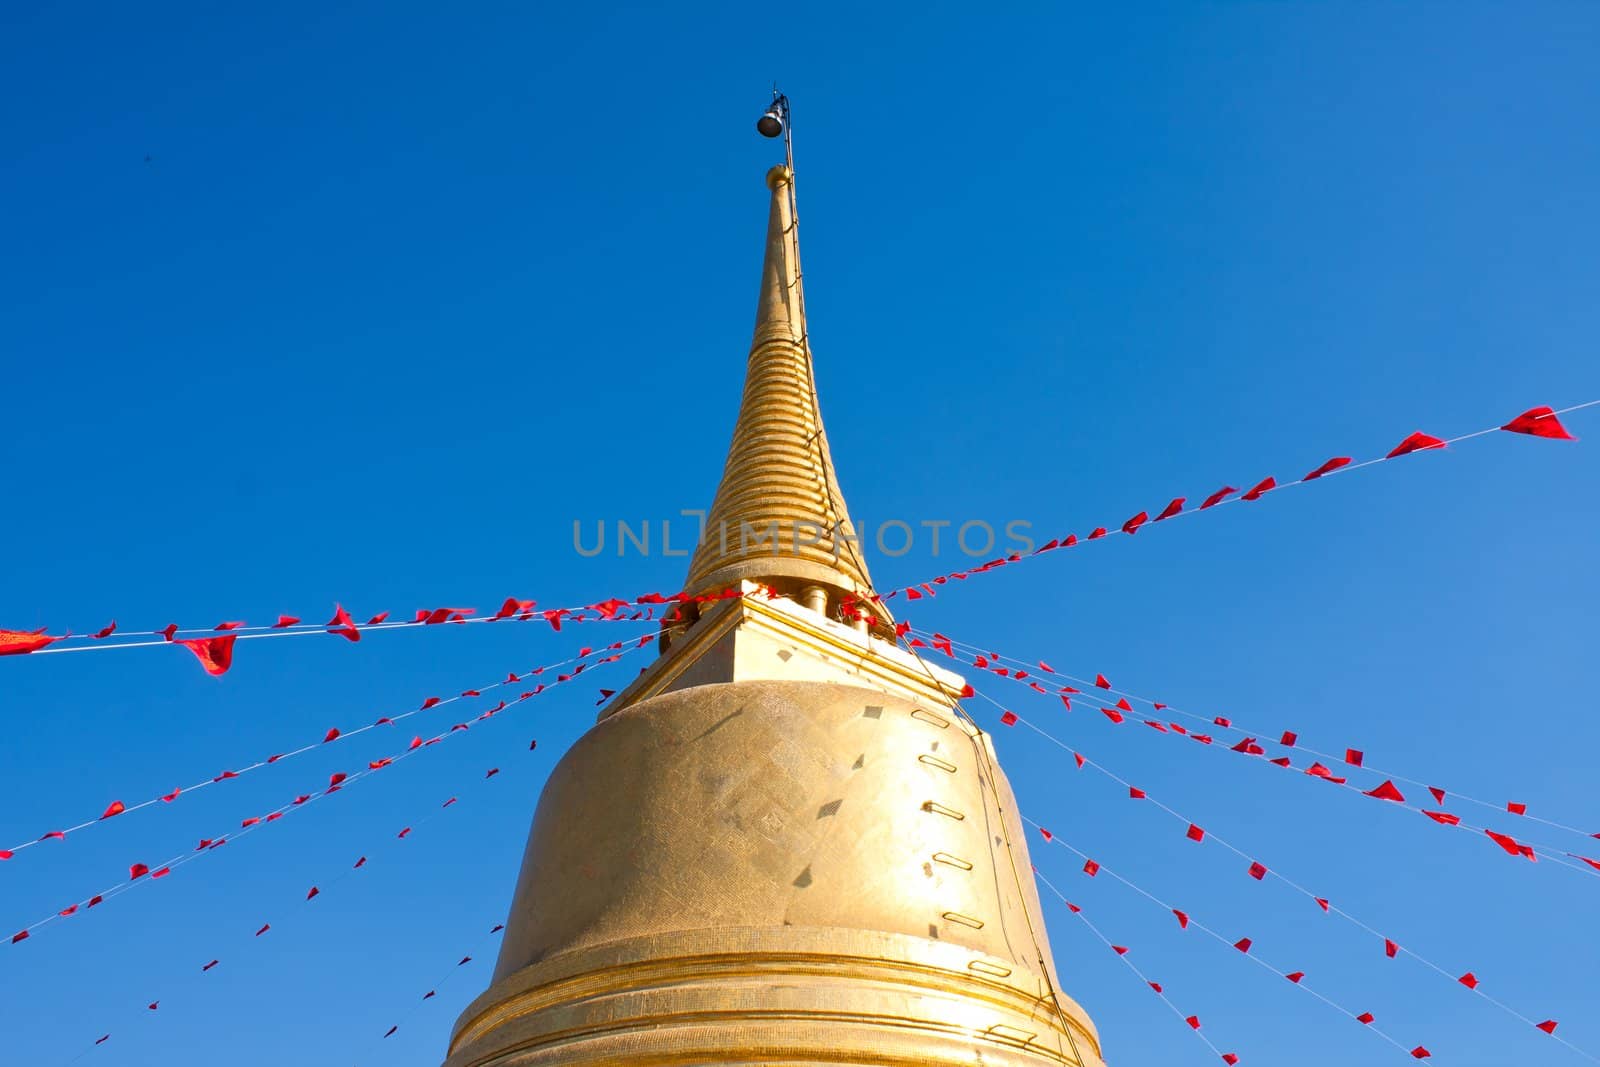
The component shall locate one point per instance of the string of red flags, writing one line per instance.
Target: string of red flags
(1192, 1022)
(140, 873)
(443, 980)
(215, 651)
(1245, 946)
(1350, 765)
(1535, 422)
(535, 678)
(214, 647)
(321, 888)
(1258, 869)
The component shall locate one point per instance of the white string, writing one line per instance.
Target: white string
(1197, 924)
(1152, 986)
(344, 735)
(1210, 722)
(1234, 499)
(1331, 907)
(187, 857)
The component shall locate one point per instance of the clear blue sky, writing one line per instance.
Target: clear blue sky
(400, 292)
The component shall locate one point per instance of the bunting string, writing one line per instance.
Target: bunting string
(321, 888)
(142, 873)
(117, 808)
(1260, 871)
(1249, 745)
(215, 652)
(1121, 952)
(1245, 946)
(1535, 422)
(433, 991)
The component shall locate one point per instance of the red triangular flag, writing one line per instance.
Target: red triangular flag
(1539, 422)
(1171, 509)
(1261, 488)
(1387, 791)
(1216, 498)
(1331, 465)
(214, 653)
(1417, 442)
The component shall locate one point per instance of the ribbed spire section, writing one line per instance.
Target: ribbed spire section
(778, 513)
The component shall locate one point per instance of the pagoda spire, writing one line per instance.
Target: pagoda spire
(779, 517)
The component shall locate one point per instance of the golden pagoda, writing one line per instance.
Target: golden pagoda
(783, 842)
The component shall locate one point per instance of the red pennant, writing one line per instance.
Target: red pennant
(1420, 1053)
(1390, 948)
(1417, 442)
(1171, 509)
(208, 966)
(138, 870)
(170, 631)
(1135, 793)
(376, 619)
(1121, 950)
(1243, 944)
(214, 653)
(285, 621)
(431, 702)
(1113, 714)
(1078, 759)
(1261, 488)
(1317, 770)
(1195, 833)
(1539, 422)
(1387, 791)
(1295, 976)
(1469, 980)
(1443, 818)
(1046, 834)
(1322, 902)
(106, 631)
(21, 935)
(392, 1029)
(1101, 681)
(1156, 986)
(331, 735)
(402, 834)
(1549, 1025)
(115, 808)
(1438, 794)
(315, 892)
(1257, 871)
(1193, 1021)
(1183, 919)
(19, 642)
(1218, 497)
(1009, 718)
(1353, 757)
(337, 778)
(1516, 809)
(1331, 465)
(1365, 1018)
(1091, 868)
(1133, 524)
(264, 929)
(1511, 845)
(1229, 1058)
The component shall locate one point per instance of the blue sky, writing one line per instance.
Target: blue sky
(368, 303)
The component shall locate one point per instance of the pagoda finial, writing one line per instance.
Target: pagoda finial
(779, 517)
